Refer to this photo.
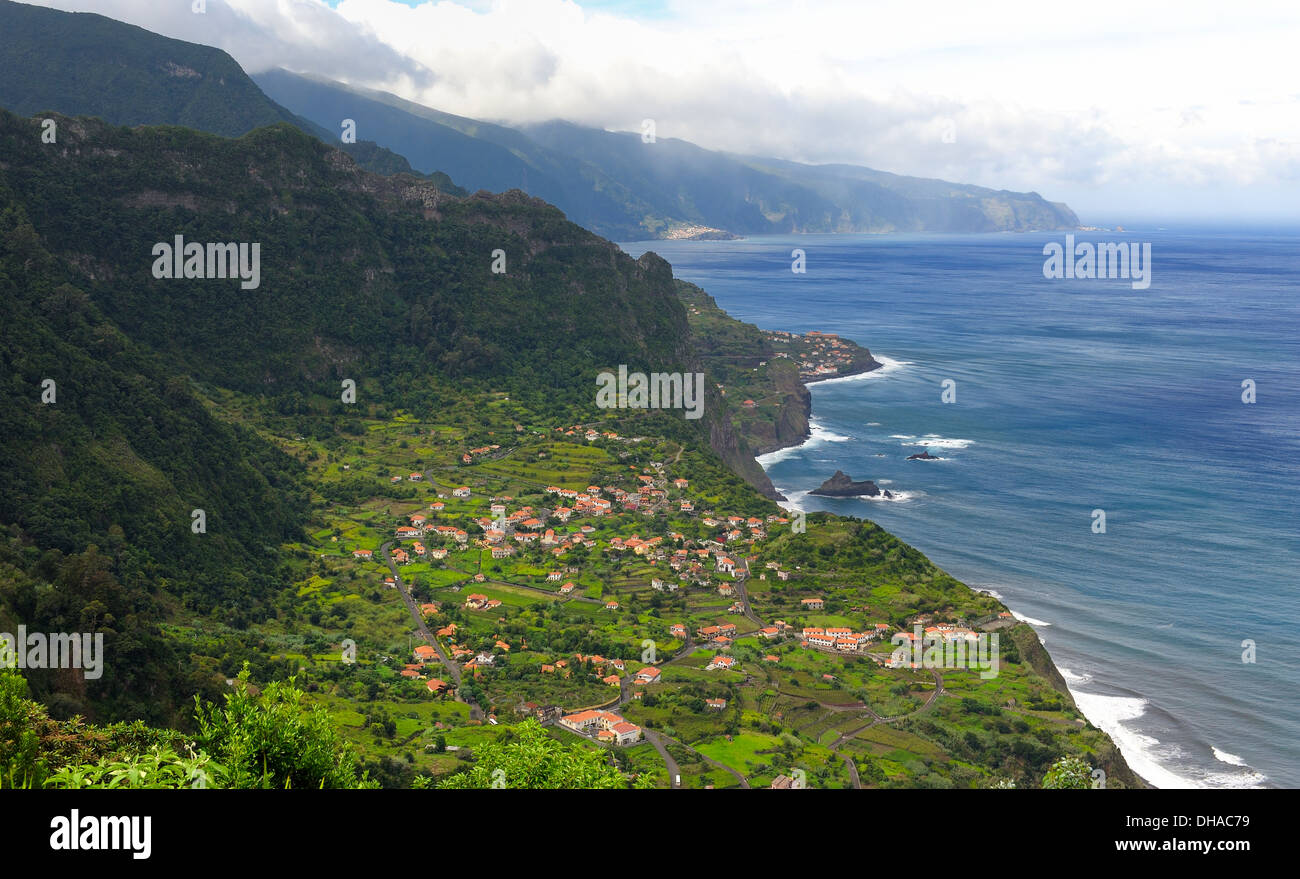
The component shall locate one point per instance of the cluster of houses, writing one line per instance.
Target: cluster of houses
(472, 660)
(469, 456)
(609, 669)
(719, 637)
(950, 633)
(605, 725)
(591, 435)
(415, 670)
(526, 526)
(840, 639)
(825, 355)
(694, 562)
(586, 503)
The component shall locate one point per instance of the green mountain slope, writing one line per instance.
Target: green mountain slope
(177, 388)
(617, 185)
(385, 281)
(106, 454)
(479, 154)
(760, 195)
(82, 64)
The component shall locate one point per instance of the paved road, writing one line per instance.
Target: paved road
(853, 771)
(453, 670)
(674, 771)
(744, 782)
(739, 586)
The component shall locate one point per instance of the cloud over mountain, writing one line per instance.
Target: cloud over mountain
(1112, 109)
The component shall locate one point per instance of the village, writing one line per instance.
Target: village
(472, 559)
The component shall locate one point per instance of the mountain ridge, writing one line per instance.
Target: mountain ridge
(624, 188)
(86, 64)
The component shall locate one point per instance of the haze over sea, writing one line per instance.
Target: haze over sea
(1075, 395)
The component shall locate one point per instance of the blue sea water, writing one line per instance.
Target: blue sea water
(1074, 396)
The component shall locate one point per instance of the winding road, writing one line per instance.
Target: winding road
(453, 670)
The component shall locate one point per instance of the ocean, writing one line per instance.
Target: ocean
(1075, 396)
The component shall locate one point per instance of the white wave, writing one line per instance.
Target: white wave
(901, 436)
(1225, 757)
(987, 591)
(767, 460)
(1030, 620)
(1145, 754)
(1071, 677)
(817, 435)
(794, 499)
(1250, 778)
(1141, 752)
(873, 424)
(888, 366)
(896, 497)
(934, 440)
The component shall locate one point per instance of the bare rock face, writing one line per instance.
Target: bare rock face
(842, 485)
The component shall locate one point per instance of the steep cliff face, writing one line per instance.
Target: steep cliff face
(361, 276)
(719, 430)
(1035, 655)
(732, 448)
(764, 373)
(791, 424)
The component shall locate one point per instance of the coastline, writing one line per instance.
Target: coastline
(1102, 720)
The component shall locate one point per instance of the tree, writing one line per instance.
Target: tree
(1068, 773)
(272, 740)
(535, 761)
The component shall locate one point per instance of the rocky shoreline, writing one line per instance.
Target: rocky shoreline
(793, 428)
(842, 485)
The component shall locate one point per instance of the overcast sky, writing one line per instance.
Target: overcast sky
(1125, 109)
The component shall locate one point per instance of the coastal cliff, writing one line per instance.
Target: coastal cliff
(764, 374)
(771, 407)
(1036, 656)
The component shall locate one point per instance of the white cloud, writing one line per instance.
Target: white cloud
(1114, 106)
